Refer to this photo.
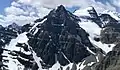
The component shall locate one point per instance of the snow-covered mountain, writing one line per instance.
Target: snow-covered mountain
(62, 40)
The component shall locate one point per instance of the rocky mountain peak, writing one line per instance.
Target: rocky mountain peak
(92, 12)
(1, 27)
(94, 16)
(14, 27)
(62, 14)
(61, 8)
(108, 20)
(60, 38)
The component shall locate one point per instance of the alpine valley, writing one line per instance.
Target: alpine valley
(83, 40)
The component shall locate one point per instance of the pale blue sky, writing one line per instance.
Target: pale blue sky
(4, 4)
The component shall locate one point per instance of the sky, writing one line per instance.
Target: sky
(4, 4)
(26, 11)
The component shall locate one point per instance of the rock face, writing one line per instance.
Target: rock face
(59, 38)
(102, 20)
(108, 20)
(26, 28)
(94, 17)
(6, 34)
(14, 27)
(111, 61)
(110, 34)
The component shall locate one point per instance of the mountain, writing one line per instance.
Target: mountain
(83, 40)
(104, 19)
(6, 35)
(15, 27)
(107, 37)
(59, 38)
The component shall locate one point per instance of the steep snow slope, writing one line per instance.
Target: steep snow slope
(13, 64)
(93, 30)
(83, 12)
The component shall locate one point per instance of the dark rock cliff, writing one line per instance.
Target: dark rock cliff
(60, 38)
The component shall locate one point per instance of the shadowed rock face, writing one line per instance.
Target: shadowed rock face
(59, 38)
(6, 34)
(102, 20)
(110, 35)
(15, 27)
(94, 17)
(26, 28)
(108, 20)
(111, 61)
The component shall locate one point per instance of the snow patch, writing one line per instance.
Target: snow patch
(82, 12)
(69, 65)
(56, 66)
(82, 66)
(35, 24)
(90, 64)
(90, 51)
(97, 58)
(104, 47)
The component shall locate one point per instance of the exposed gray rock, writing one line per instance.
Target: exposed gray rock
(60, 34)
(74, 67)
(111, 60)
(109, 35)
